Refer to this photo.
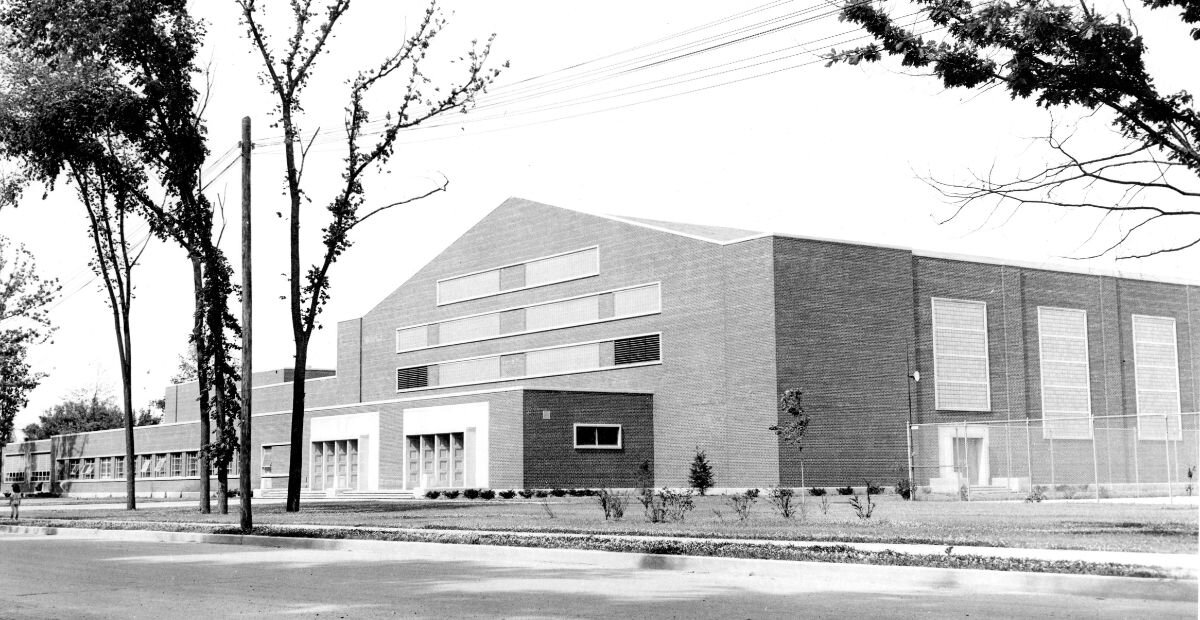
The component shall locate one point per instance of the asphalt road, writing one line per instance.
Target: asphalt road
(65, 577)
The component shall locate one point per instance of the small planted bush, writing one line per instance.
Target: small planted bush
(784, 502)
(556, 492)
(471, 493)
(873, 489)
(541, 493)
(432, 494)
(753, 493)
(666, 505)
(525, 493)
(612, 503)
(487, 494)
(1036, 495)
(904, 488)
(862, 509)
(846, 490)
(818, 491)
(742, 503)
(508, 494)
(451, 493)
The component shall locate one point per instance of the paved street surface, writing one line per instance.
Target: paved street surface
(65, 577)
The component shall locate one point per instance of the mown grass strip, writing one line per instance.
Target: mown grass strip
(821, 553)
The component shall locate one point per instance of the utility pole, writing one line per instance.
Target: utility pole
(244, 490)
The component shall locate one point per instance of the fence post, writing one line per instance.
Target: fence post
(967, 458)
(1137, 463)
(1095, 461)
(1167, 448)
(1029, 454)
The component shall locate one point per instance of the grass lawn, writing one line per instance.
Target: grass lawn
(1074, 525)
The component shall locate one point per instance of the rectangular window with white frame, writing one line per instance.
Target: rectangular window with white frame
(598, 436)
(1156, 376)
(960, 355)
(1065, 373)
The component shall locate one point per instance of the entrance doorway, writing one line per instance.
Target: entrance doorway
(436, 460)
(968, 460)
(334, 465)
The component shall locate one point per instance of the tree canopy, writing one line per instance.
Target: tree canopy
(1062, 56)
(24, 296)
(82, 413)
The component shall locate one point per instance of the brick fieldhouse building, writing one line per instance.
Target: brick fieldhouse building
(548, 347)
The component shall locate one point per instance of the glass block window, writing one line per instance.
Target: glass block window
(634, 301)
(565, 267)
(564, 359)
(598, 436)
(571, 311)
(412, 338)
(469, 371)
(1066, 390)
(960, 355)
(471, 328)
(468, 287)
(1156, 375)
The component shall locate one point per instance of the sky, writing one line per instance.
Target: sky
(708, 112)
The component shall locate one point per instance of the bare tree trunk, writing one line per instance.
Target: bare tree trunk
(295, 465)
(202, 377)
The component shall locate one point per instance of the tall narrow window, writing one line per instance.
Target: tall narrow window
(960, 355)
(1156, 374)
(1066, 391)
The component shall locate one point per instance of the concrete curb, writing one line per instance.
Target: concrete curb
(825, 575)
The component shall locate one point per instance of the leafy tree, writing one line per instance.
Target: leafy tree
(24, 296)
(700, 477)
(81, 413)
(287, 72)
(792, 431)
(123, 70)
(1064, 56)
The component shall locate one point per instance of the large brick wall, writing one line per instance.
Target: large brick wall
(843, 326)
(551, 460)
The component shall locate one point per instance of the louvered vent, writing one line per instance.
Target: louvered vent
(409, 378)
(636, 350)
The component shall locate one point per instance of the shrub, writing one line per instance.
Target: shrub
(862, 509)
(1067, 491)
(824, 504)
(508, 494)
(451, 493)
(904, 488)
(1036, 495)
(846, 490)
(701, 475)
(752, 493)
(784, 501)
(556, 492)
(525, 493)
(432, 494)
(574, 492)
(873, 489)
(612, 503)
(742, 503)
(818, 491)
(541, 493)
(471, 493)
(964, 493)
(666, 505)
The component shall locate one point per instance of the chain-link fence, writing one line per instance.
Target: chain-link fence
(1092, 457)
